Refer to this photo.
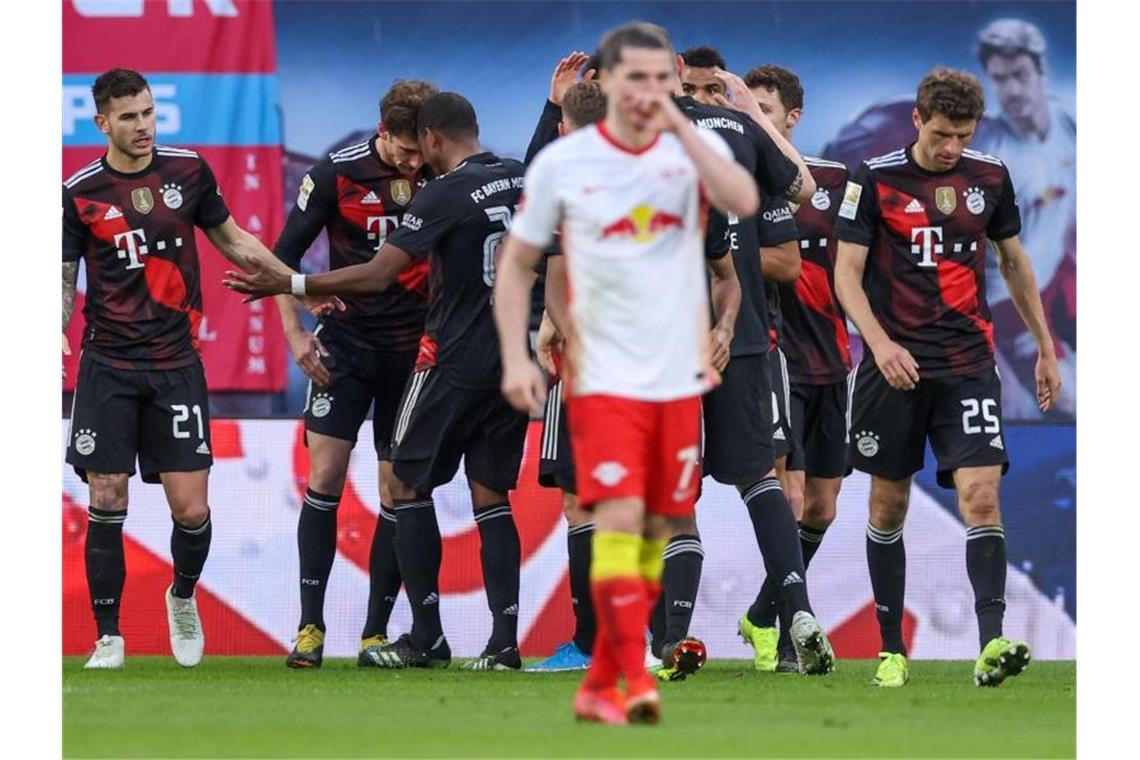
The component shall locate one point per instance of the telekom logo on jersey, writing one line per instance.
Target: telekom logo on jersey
(925, 242)
(132, 245)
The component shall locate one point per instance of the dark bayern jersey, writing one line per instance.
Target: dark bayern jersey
(814, 327)
(926, 271)
(774, 172)
(778, 226)
(460, 220)
(359, 199)
(135, 234)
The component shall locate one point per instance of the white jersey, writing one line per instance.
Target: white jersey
(1044, 177)
(632, 231)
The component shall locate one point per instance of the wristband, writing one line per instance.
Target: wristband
(297, 284)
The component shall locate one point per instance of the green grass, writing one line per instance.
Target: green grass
(255, 707)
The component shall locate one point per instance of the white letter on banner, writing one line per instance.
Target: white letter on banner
(185, 8)
(77, 106)
(168, 117)
(103, 8)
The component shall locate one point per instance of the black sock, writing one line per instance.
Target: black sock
(316, 549)
(106, 567)
(776, 535)
(810, 539)
(985, 564)
(886, 559)
(420, 549)
(579, 546)
(189, 548)
(500, 554)
(383, 575)
(764, 610)
(684, 557)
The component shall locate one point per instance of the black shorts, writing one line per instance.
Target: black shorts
(358, 378)
(961, 414)
(556, 461)
(784, 440)
(738, 423)
(439, 423)
(819, 423)
(160, 417)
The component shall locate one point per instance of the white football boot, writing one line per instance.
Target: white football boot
(109, 654)
(186, 638)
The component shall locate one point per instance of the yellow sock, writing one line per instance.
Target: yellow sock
(615, 555)
(651, 561)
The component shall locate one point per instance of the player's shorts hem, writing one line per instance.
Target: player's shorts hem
(945, 477)
(882, 473)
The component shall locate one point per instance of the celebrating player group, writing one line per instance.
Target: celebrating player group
(697, 275)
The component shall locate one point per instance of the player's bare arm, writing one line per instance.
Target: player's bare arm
(523, 384)
(740, 98)
(371, 277)
(1017, 270)
(726, 295)
(555, 294)
(546, 343)
(305, 347)
(70, 277)
(728, 185)
(781, 263)
(895, 362)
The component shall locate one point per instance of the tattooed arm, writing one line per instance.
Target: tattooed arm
(70, 276)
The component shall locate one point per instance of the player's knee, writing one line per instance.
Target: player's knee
(108, 492)
(190, 514)
(327, 478)
(978, 502)
(818, 514)
(401, 491)
(574, 514)
(888, 511)
(683, 526)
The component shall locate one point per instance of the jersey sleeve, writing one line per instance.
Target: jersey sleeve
(545, 132)
(74, 231)
(212, 210)
(432, 214)
(859, 212)
(1006, 220)
(775, 172)
(775, 224)
(540, 209)
(716, 142)
(315, 206)
(716, 236)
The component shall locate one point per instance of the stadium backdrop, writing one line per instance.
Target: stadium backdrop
(263, 89)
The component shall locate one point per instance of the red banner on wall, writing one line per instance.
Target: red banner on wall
(211, 67)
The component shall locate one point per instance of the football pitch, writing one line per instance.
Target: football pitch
(255, 707)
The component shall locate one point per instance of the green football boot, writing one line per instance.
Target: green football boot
(892, 672)
(1000, 659)
(763, 642)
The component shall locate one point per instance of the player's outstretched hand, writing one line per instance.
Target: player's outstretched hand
(257, 283)
(1048, 381)
(719, 343)
(565, 75)
(307, 351)
(739, 96)
(546, 344)
(897, 365)
(66, 352)
(524, 387)
(320, 306)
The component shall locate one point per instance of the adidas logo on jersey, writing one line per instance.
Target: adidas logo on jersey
(997, 444)
(914, 207)
(369, 199)
(112, 213)
(203, 449)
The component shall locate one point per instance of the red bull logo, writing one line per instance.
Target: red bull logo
(642, 224)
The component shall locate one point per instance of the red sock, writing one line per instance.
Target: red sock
(622, 603)
(603, 672)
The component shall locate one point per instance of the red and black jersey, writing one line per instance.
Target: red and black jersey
(814, 336)
(135, 234)
(460, 220)
(926, 272)
(359, 199)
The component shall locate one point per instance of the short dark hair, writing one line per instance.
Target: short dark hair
(450, 114)
(117, 83)
(637, 34)
(783, 81)
(703, 57)
(584, 103)
(954, 93)
(401, 105)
